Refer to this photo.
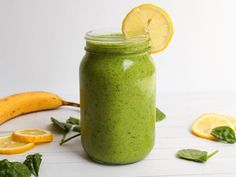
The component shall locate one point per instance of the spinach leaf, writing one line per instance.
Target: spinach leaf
(76, 129)
(75, 124)
(33, 162)
(61, 125)
(65, 139)
(73, 121)
(159, 115)
(13, 169)
(194, 155)
(71, 126)
(224, 133)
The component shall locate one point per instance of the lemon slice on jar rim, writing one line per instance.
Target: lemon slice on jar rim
(152, 20)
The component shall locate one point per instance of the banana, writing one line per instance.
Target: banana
(23, 103)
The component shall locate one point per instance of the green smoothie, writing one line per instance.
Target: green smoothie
(117, 97)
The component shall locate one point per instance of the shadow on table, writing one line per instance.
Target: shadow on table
(75, 146)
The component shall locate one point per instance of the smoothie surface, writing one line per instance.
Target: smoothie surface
(117, 43)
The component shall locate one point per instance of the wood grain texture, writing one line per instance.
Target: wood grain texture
(172, 134)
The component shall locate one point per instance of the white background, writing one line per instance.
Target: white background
(41, 46)
(41, 43)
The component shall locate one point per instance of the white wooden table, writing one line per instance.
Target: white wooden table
(172, 134)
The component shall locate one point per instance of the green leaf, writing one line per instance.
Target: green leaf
(61, 125)
(159, 115)
(13, 169)
(76, 129)
(224, 133)
(33, 162)
(71, 134)
(194, 155)
(65, 139)
(73, 121)
(69, 128)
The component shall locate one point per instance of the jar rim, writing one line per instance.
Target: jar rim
(113, 41)
(113, 36)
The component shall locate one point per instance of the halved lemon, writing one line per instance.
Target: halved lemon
(33, 135)
(203, 126)
(152, 20)
(10, 146)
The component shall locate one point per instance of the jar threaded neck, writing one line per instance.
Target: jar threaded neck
(106, 42)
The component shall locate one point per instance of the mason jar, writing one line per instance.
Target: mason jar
(117, 97)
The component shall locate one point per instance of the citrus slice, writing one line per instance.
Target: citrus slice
(152, 20)
(203, 125)
(10, 146)
(34, 135)
(232, 120)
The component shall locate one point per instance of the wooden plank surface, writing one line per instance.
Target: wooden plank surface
(172, 134)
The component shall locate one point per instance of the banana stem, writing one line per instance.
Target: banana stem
(67, 103)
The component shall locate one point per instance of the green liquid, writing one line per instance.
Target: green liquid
(117, 92)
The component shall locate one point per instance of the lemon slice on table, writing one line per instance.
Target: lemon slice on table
(152, 20)
(34, 135)
(10, 146)
(232, 120)
(203, 126)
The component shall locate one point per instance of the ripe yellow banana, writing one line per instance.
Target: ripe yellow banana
(23, 103)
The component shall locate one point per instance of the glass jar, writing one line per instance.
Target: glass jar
(117, 97)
